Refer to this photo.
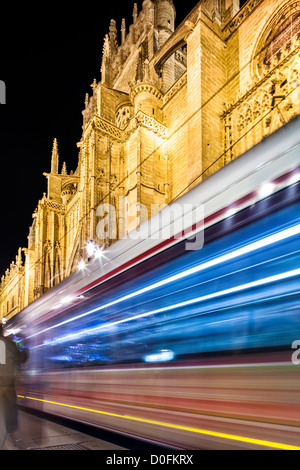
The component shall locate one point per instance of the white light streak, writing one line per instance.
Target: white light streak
(186, 303)
(251, 247)
(81, 265)
(162, 356)
(231, 211)
(67, 300)
(266, 189)
(294, 178)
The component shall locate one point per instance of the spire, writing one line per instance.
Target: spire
(94, 85)
(86, 101)
(106, 59)
(64, 169)
(146, 71)
(123, 31)
(113, 35)
(54, 158)
(135, 12)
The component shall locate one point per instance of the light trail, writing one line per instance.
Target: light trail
(231, 290)
(266, 241)
(180, 427)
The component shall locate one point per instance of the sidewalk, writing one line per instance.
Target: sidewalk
(35, 433)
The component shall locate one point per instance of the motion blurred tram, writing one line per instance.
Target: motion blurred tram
(187, 339)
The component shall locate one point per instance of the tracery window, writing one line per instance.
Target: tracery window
(281, 31)
(283, 36)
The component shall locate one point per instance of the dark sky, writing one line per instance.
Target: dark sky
(49, 57)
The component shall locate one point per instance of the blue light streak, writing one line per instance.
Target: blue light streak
(231, 290)
(249, 248)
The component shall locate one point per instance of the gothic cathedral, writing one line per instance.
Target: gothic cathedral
(172, 107)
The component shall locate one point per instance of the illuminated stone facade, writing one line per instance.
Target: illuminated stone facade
(172, 107)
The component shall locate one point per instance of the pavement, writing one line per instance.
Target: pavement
(36, 433)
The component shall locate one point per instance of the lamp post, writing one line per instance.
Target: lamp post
(90, 248)
(93, 251)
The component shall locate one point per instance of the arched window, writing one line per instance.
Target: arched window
(283, 36)
(278, 33)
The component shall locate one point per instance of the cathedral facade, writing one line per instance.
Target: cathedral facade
(172, 107)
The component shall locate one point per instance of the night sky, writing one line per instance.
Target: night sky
(49, 57)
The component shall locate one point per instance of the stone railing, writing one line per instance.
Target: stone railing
(243, 13)
(108, 128)
(140, 119)
(150, 123)
(54, 205)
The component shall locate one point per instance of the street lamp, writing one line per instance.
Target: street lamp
(90, 248)
(81, 265)
(93, 250)
(98, 252)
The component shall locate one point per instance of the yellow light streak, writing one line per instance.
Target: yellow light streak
(248, 440)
